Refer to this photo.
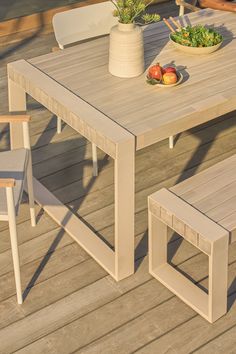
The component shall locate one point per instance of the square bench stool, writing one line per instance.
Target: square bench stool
(201, 209)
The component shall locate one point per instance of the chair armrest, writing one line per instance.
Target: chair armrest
(55, 49)
(188, 6)
(14, 118)
(7, 182)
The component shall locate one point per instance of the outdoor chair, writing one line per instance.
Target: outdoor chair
(186, 5)
(15, 169)
(73, 26)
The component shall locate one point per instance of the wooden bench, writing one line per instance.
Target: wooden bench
(202, 209)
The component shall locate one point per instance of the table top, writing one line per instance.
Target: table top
(149, 113)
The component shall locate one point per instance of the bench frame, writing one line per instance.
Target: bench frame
(168, 210)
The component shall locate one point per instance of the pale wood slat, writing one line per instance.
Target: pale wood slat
(183, 288)
(114, 332)
(212, 188)
(156, 316)
(73, 226)
(193, 333)
(229, 223)
(210, 201)
(223, 210)
(204, 176)
(80, 116)
(227, 340)
(148, 121)
(173, 206)
(213, 193)
(65, 309)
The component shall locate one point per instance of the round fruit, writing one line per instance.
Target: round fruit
(169, 78)
(155, 72)
(169, 69)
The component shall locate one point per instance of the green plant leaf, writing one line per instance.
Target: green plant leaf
(197, 36)
(151, 81)
(129, 11)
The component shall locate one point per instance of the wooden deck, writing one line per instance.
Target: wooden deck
(71, 304)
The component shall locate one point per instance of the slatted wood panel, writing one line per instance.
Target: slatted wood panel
(72, 305)
(202, 232)
(213, 193)
(152, 114)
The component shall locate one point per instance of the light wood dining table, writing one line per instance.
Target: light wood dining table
(122, 116)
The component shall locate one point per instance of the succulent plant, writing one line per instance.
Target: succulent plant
(134, 11)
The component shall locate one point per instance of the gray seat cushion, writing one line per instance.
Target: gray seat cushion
(13, 165)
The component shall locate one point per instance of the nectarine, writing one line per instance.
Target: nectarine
(155, 72)
(169, 78)
(169, 69)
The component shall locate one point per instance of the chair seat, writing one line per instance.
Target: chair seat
(13, 165)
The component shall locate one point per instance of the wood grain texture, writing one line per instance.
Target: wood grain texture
(147, 319)
(37, 20)
(91, 123)
(149, 113)
(7, 182)
(212, 192)
(209, 237)
(14, 118)
(190, 223)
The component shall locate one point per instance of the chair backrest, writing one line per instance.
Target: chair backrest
(191, 5)
(83, 23)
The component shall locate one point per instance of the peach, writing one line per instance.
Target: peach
(169, 78)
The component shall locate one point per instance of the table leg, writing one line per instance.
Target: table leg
(124, 209)
(120, 262)
(17, 103)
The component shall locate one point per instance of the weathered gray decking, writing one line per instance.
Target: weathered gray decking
(71, 304)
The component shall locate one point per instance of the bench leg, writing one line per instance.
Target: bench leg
(157, 243)
(218, 280)
(212, 305)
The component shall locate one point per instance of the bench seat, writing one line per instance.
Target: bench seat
(201, 209)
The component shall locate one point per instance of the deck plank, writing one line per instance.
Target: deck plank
(72, 304)
(43, 257)
(195, 333)
(223, 343)
(143, 315)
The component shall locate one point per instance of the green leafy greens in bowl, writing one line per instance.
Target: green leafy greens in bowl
(197, 36)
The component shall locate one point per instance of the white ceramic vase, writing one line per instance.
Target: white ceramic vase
(126, 54)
